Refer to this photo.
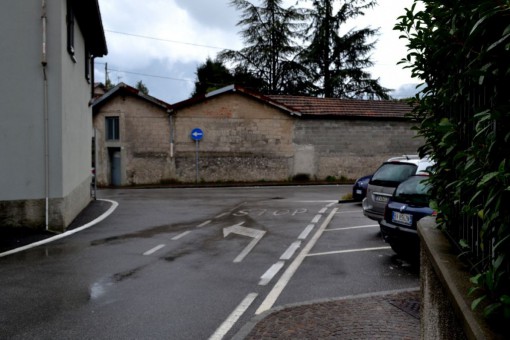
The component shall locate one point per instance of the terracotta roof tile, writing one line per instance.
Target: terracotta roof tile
(314, 106)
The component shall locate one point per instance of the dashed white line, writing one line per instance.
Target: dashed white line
(323, 210)
(175, 238)
(330, 204)
(222, 214)
(348, 251)
(304, 233)
(233, 317)
(291, 250)
(270, 273)
(358, 227)
(317, 218)
(153, 250)
(287, 275)
(203, 224)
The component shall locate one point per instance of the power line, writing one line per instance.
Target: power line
(146, 75)
(167, 40)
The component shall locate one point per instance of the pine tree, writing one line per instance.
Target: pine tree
(269, 33)
(140, 86)
(337, 62)
(211, 75)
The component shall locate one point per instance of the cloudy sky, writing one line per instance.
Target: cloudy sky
(161, 42)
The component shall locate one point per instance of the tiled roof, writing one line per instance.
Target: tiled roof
(313, 106)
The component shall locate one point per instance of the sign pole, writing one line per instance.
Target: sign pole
(196, 142)
(196, 135)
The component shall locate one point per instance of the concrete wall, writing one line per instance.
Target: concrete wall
(22, 146)
(144, 142)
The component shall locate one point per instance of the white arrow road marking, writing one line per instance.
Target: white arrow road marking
(270, 273)
(233, 317)
(153, 250)
(256, 234)
(287, 275)
(290, 250)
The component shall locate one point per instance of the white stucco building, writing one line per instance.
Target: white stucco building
(46, 54)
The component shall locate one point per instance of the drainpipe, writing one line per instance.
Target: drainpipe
(46, 125)
(170, 118)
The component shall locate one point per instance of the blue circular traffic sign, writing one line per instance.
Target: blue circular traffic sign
(197, 134)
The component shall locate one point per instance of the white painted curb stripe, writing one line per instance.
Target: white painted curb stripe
(67, 233)
(348, 251)
(287, 275)
(270, 273)
(233, 317)
(153, 250)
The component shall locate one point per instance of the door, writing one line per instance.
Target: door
(115, 168)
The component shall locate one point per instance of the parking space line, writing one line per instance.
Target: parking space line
(153, 250)
(233, 317)
(358, 227)
(348, 251)
(175, 238)
(348, 211)
(270, 273)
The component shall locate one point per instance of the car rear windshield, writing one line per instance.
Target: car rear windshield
(414, 190)
(392, 174)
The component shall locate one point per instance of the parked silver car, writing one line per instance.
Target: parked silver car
(384, 181)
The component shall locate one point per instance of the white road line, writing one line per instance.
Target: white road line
(203, 224)
(330, 204)
(291, 250)
(328, 201)
(316, 218)
(358, 227)
(222, 214)
(67, 233)
(175, 238)
(153, 250)
(323, 210)
(348, 251)
(270, 273)
(233, 317)
(304, 233)
(287, 275)
(349, 211)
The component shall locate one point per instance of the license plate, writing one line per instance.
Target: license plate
(359, 192)
(406, 219)
(379, 198)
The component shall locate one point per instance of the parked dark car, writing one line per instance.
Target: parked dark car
(409, 203)
(359, 189)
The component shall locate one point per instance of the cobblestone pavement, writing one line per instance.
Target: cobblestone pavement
(375, 316)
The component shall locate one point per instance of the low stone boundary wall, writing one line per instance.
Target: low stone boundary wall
(445, 307)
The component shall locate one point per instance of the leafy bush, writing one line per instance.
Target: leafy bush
(461, 52)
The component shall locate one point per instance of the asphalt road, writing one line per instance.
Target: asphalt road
(196, 264)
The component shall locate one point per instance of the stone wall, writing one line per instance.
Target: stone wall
(144, 142)
(353, 148)
(244, 140)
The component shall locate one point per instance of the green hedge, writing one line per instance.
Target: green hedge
(461, 52)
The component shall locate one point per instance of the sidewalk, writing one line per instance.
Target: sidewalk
(13, 238)
(387, 315)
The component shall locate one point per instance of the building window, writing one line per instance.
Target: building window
(70, 30)
(112, 128)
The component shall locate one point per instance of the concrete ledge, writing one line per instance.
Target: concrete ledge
(446, 308)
